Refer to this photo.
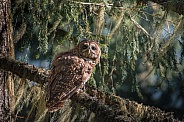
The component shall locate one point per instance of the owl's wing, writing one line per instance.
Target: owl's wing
(67, 76)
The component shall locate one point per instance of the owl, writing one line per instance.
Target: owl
(70, 71)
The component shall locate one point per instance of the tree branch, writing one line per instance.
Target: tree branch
(110, 107)
(173, 5)
(24, 70)
(106, 106)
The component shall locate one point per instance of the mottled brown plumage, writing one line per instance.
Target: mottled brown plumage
(70, 71)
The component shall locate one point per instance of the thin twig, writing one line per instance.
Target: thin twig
(139, 26)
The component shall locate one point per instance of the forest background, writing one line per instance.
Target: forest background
(142, 47)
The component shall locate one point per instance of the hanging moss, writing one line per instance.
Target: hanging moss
(134, 49)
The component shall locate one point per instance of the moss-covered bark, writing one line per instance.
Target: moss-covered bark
(6, 49)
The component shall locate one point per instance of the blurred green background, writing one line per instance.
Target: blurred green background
(142, 47)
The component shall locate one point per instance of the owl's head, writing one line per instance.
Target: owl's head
(89, 50)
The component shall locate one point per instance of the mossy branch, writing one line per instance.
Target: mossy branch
(106, 106)
(24, 70)
(109, 107)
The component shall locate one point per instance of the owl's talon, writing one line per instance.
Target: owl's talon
(79, 90)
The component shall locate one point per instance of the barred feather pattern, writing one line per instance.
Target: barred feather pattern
(70, 71)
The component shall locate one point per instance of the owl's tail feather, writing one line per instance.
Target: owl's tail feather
(55, 107)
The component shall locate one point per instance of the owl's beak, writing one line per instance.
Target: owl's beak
(88, 52)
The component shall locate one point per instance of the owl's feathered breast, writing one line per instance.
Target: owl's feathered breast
(69, 73)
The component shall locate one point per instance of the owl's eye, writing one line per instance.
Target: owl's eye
(84, 47)
(93, 48)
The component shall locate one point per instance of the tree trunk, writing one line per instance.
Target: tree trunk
(7, 50)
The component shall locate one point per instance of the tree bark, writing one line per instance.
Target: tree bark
(107, 107)
(7, 50)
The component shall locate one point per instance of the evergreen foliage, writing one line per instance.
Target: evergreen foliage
(142, 51)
